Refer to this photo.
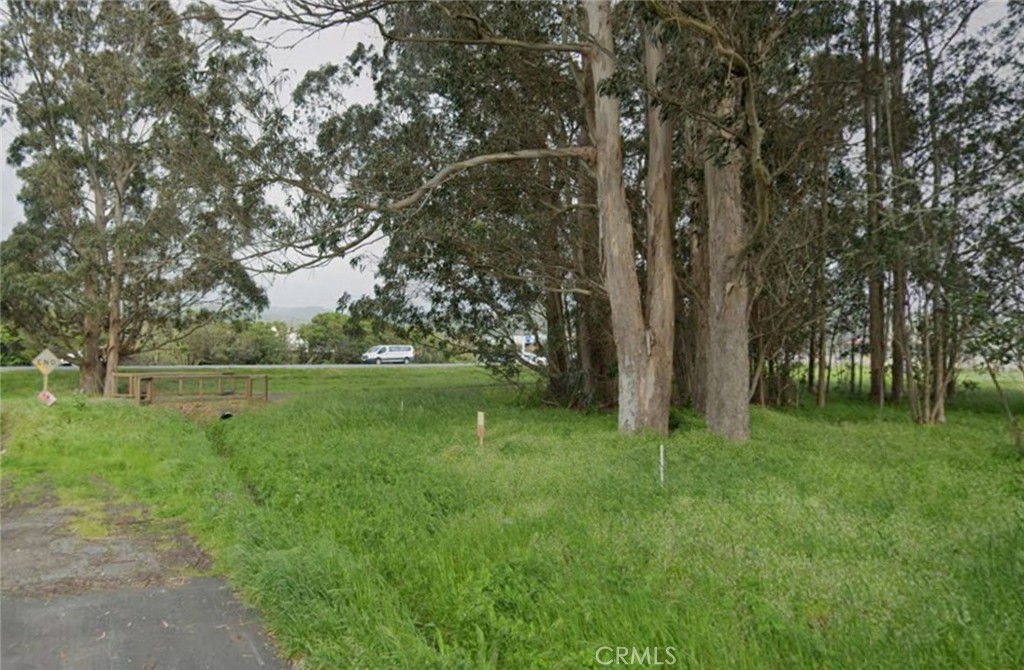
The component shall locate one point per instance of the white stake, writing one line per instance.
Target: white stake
(480, 430)
(662, 459)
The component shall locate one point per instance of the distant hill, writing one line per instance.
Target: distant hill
(293, 316)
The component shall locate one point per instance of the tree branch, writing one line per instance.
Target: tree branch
(572, 47)
(449, 171)
(718, 41)
(319, 15)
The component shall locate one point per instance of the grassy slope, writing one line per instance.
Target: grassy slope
(374, 537)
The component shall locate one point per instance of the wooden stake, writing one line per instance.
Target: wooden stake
(480, 429)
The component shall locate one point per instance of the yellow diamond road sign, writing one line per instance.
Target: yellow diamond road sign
(46, 361)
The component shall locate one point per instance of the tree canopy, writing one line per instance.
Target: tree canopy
(134, 123)
(819, 188)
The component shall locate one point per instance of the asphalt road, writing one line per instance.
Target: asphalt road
(135, 598)
(196, 625)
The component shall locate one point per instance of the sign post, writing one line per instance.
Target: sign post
(45, 362)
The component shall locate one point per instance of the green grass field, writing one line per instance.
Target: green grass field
(361, 518)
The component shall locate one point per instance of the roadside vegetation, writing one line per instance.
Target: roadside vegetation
(329, 337)
(363, 521)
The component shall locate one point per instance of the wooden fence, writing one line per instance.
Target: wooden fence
(146, 387)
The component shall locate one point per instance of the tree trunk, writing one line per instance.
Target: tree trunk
(933, 353)
(812, 361)
(893, 91)
(633, 341)
(660, 302)
(860, 367)
(876, 298)
(952, 357)
(906, 346)
(926, 364)
(853, 365)
(555, 348)
(938, 411)
(822, 283)
(596, 347)
(697, 321)
(113, 349)
(899, 299)
(728, 388)
(902, 343)
(113, 356)
(91, 373)
(876, 285)
(822, 366)
(701, 321)
(597, 350)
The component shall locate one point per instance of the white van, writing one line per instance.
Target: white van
(390, 353)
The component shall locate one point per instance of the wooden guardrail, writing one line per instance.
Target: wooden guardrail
(145, 387)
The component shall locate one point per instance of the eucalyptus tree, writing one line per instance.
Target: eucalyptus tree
(957, 183)
(504, 247)
(990, 169)
(139, 204)
(869, 29)
(752, 85)
(583, 45)
(454, 80)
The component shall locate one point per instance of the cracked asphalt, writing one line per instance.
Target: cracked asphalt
(135, 597)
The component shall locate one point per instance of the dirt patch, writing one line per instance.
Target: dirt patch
(52, 549)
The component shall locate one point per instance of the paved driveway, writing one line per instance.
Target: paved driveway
(133, 598)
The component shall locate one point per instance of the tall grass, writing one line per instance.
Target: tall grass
(362, 519)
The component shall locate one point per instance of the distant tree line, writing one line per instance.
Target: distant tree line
(329, 338)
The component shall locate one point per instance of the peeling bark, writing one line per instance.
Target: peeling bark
(728, 411)
(639, 344)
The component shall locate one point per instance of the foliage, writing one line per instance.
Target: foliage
(502, 249)
(333, 338)
(13, 349)
(238, 343)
